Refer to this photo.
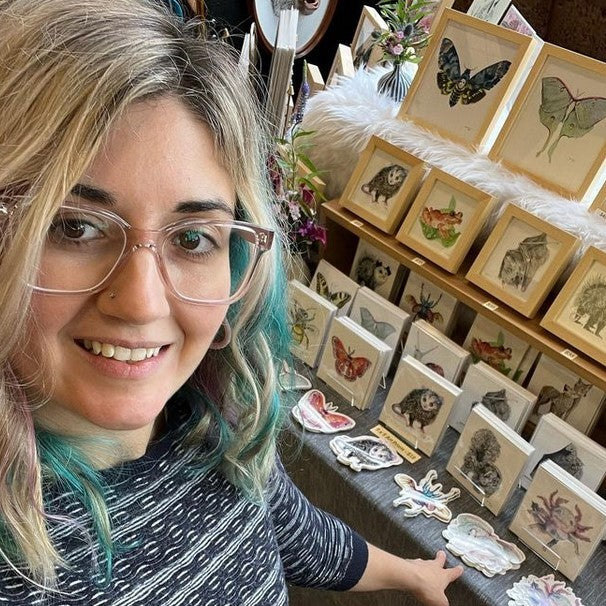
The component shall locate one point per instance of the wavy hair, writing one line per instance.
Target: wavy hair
(68, 71)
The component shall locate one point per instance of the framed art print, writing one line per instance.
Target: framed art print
(578, 314)
(513, 19)
(522, 259)
(376, 270)
(334, 286)
(342, 65)
(489, 10)
(364, 49)
(382, 184)
(444, 219)
(418, 405)
(565, 394)
(467, 75)
(555, 132)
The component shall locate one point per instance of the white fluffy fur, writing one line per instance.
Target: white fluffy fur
(346, 115)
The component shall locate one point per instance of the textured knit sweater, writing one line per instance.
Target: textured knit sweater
(192, 540)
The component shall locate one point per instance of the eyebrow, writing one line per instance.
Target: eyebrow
(105, 198)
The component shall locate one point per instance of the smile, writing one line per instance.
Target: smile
(117, 352)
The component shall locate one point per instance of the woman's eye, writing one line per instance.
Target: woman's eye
(72, 229)
(195, 241)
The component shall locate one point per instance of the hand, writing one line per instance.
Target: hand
(429, 579)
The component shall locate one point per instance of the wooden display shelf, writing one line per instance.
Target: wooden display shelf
(459, 287)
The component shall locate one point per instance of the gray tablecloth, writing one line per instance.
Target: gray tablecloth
(364, 501)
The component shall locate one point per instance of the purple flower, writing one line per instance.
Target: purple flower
(312, 232)
(307, 195)
(294, 209)
(399, 35)
(396, 50)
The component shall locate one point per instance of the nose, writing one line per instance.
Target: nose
(140, 294)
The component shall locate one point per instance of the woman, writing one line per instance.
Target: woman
(139, 290)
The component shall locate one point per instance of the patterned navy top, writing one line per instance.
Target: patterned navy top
(191, 540)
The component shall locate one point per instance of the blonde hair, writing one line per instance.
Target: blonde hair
(68, 71)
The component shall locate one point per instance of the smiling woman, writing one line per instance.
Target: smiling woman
(141, 321)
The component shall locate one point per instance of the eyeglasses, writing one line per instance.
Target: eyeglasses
(201, 261)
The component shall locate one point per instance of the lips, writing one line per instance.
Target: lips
(119, 352)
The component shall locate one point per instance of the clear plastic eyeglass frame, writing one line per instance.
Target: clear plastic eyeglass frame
(153, 240)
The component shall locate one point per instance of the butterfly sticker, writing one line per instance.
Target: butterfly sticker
(460, 86)
(339, 298)
(346, 365)
(317, 415)
(381, 330)
(576, 115)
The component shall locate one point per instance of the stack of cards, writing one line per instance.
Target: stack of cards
(418, 405)
(425, 301)
(353, 361)
(380, 317)
(566, 395)
(500, 349)
(504, 398)
(560, 519)
(489, 458)
(581, 457)
(376, 270)
(334, 286)
(309, 316)
(428, 345)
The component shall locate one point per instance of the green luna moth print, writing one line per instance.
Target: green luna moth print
(577, 116)
(441, 224)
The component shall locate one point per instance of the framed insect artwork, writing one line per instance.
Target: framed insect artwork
(309, 316)
(598, 206)
(353, 361)
(376, 270)
(383, 183)
(555, 132)
(489, 10)
(522, 259)
(444, 219)
(578, 314)
(488, 459)
(334, 286)
(555, 440)
(504, 398)
(364, 49)
(342, 65)
(560, 519)
(566, 395)
(491, 343)
(513, 19)
(423, 300)
(418, 405)
(383, 319)
(467, 76)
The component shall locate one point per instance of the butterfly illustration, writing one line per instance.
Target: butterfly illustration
(338, 298)
(346, 365)
(381, 330)
(558, 106)
(460, 86)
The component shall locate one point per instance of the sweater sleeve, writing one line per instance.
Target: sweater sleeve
(317, 549)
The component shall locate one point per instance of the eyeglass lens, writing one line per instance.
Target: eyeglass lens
(202, 260)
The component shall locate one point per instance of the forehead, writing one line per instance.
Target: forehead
(156, 156)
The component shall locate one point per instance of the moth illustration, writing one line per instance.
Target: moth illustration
(381, 330)
(576, 115)
(346, 365)
(462, 86)
(386, 183)
(590, 303)
(372, 272)
(338, 298)
(520, 264)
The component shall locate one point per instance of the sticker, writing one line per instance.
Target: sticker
(357, 223)
(317, 415)
(571, 355)
(490, 305)
(478, 545)
(406, 451)
(364, 452)
(290, 380)
(418, 261)
(542, 590)
(425, 497)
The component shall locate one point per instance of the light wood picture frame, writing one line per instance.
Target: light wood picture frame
(444, 219)
(383, 184)
(342, 65)
(521, 260)
(467, 75)
(578, 314)
(363, 48)
(555, 132)
(598, 206)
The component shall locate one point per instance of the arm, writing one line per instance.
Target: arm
(425, 579)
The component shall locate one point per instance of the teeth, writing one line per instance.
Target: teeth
(123, 354)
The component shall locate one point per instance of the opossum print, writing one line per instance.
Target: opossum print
(386, 183)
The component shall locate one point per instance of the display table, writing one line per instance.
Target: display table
(364, 501)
